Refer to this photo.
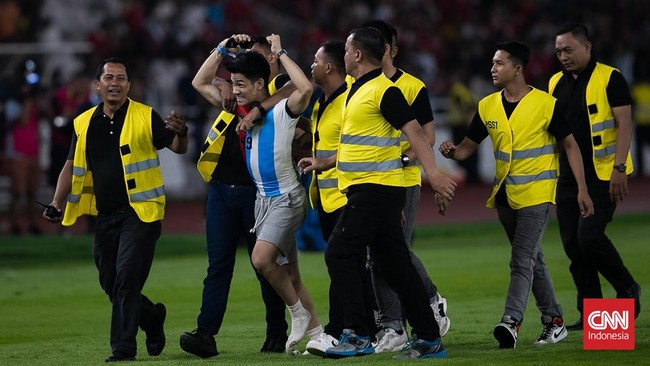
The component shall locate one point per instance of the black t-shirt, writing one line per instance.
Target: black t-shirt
(231, 168)
(103, 154)
(421, 105)
(570, 94)
(477, 132)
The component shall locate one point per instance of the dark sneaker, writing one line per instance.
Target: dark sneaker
(350, 344)
(423, 349)
(554, 330)
(506, 332)
(575, 326)
(119, 357)
(199, 343)
(156, 338)
(633, 292)
(274, 344)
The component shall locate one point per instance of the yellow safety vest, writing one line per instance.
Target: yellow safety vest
(526, 153)
(211, 149)
(369, 148)
(601, 120)
(142, 175)
(324, 185)
(410, 87)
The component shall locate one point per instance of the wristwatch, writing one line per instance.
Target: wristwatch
(405, 160)
(620, 167)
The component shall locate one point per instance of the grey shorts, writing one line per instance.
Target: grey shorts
(277, 220)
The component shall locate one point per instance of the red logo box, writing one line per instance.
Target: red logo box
(608, 324)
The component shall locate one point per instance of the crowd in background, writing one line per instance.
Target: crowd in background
(443, 42)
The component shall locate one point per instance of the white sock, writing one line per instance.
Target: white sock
(315, 332)
(293, 309)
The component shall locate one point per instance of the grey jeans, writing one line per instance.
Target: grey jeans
(388, 304)
(525, 228)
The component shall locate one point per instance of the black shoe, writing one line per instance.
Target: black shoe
(199, 343)
(118, 357)
(634, 292)
(156, 338)
(575, 326)
(274, 344)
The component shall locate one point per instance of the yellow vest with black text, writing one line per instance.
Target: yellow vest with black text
(211, 149)
(369, 149)
(601, 120)
(324, 185)
(142, 175)
(410, 87)
(526, 153)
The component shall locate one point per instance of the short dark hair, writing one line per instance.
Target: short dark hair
(388, 32)
(261, 40)
(519, 52)
(111, 60)
(578, 30)
(252, 65)
(335, 53)
(370, 41)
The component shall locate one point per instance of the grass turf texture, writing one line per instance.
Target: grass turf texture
(52, 310)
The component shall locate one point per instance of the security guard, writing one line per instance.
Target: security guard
(370, 171)
(524, 125)
(113, 171)
(598, 101)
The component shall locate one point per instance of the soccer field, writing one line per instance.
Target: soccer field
(53, 312)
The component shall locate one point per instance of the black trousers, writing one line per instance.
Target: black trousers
(123, 250)
(586, 244)
(334, 326)
(372, 217)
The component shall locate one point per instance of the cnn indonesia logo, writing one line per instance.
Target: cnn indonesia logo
(609, 324)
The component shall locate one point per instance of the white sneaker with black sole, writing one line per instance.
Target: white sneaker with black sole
(318, 346)
(554, 330)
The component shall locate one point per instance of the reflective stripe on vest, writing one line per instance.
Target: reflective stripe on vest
(369, 140)
(141, 165)
(524, 179)
(370, 166)
(328, 183)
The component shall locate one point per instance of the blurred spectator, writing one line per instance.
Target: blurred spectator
(462, 104)
(641, 104)
(22, 114)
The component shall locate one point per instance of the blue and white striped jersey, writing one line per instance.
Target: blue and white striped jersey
(268, 152)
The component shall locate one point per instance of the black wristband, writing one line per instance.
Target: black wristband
(184, 133)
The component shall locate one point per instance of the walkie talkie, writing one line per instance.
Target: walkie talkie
(50, 211)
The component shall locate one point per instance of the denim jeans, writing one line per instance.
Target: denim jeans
(229, 215)
(525, 228)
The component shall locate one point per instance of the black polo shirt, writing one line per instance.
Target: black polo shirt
(570, 94)
(103, 154)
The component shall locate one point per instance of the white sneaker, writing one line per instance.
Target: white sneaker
(318, 346)
(299, 324)
(391, 341)
(440, 313)
(554, 330)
